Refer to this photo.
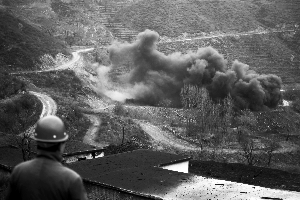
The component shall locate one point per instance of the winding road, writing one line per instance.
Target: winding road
(49, 105)
(67, 65)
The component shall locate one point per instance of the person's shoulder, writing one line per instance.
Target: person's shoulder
(70, 172)
(23, 164)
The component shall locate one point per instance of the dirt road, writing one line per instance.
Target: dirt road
(170, 40)
(90, 135)
(162, 138)
(68, 65)
(49, 105)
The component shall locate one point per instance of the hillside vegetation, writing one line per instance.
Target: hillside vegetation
(75, 22)
(22, 45)
(172, 18)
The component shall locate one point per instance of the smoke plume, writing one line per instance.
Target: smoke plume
(155, 78)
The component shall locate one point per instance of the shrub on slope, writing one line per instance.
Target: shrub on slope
(19, 113)
(10, 85)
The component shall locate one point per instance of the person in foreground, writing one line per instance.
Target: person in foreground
(45, 178)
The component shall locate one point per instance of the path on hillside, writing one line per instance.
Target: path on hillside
(49, 105)
(98, 106)
(91, 134)
(49, 108)
(171, 40)
(68, 65)
(164, 138)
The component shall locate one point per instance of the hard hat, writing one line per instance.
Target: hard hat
(50, 129)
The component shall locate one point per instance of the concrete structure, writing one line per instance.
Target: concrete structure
(178, 167)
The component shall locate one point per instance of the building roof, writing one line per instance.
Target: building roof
(138, 172)
(158, 183)
(134, 159)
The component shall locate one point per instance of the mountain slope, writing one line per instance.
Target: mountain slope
(22, 44)
(264, 53)
(173, 17)
(74, 21)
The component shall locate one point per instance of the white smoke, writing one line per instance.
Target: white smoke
(106, 87)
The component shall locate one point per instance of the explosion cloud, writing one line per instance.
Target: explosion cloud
(155, 77)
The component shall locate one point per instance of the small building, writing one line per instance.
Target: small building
(145, 174)
(131, 175)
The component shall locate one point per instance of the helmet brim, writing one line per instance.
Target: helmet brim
(53, 140)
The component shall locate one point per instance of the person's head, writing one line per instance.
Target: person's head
(50, 134)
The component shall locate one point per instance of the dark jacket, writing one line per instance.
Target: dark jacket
(45, 178)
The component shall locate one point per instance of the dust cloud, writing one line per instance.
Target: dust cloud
(153, 78)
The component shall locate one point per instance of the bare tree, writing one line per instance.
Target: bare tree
(225, 119)
(270, 148)
(246, 123)
(248, 148)
(24, 143)
(204, 116)
(288, 124)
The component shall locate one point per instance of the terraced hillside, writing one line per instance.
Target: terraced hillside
(264, 53)
(174, 17)
(95, 22)
(276, 53)
(171, 18)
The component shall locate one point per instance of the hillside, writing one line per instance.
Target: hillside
(22, 44)
(75, 22)
(264, 53)
(172, 18)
